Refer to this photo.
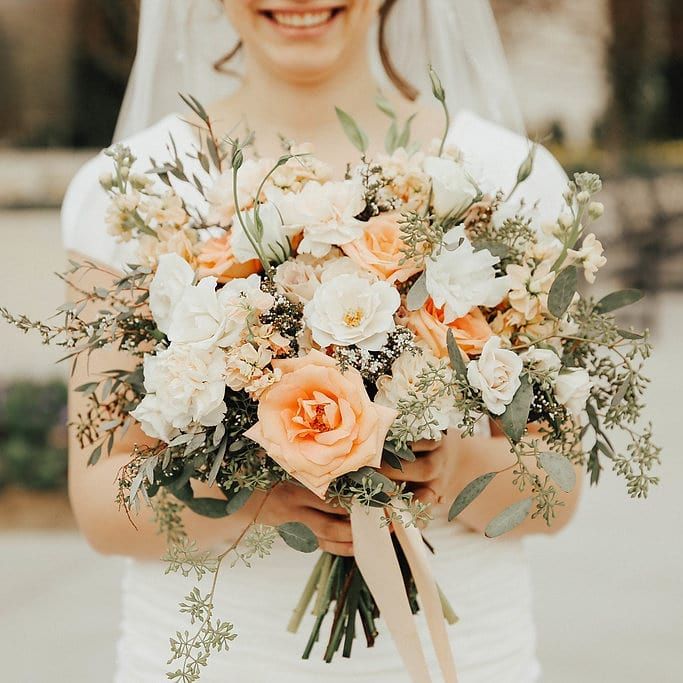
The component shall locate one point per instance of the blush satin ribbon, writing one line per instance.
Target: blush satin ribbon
(377, 561)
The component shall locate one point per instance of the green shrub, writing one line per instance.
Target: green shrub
(33, 451)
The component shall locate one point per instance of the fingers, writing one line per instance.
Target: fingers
(326, 527)
(425, 445)
(343, 549)
(302, 497)
(427, 495)
(425, 468)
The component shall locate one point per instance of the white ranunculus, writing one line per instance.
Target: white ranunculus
(152, 420)
(325, 212)
(453, 189)
(188, 385)
(542, 360)
(460, 278)
(349, 310)
(496, 374)
(217, 318)
(405, 375)
(572, 389)
(174, 274)
(273, 240)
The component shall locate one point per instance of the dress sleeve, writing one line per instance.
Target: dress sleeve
(499, 152)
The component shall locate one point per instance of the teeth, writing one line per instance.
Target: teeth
(301, 19)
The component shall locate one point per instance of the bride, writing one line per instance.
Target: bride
(288, 63)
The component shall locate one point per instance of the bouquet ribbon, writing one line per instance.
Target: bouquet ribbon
(377, 561)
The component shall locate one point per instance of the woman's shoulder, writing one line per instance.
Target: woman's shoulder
(499, 152)
(85, 202)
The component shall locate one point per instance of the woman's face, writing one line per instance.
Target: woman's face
(302, 40)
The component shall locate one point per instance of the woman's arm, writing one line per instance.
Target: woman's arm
(92, 489)
(445, 468)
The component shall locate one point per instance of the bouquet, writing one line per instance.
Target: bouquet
(289, 326)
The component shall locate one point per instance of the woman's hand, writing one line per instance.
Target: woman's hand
(289, 502)
(430, 476)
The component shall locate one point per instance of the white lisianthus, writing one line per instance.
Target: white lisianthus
(187, 384)
(217, 318)
(173, 275)
(349, 310)
(496, 374)
(273, 239)
(460, 278)
(572, 389)
(405, 375)
(453, 188)
(589, 256)
(544, 361)
(325, 212)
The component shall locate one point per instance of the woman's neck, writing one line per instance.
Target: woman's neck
(299, 107)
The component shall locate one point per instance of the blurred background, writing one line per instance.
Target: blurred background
(600, 80)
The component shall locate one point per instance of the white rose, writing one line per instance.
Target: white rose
(325, 212)
(496, 374)
(188, 383)
(298, 279)
(343, 265)
(460, 278)
(572, 389)
(273, 240)
(217, 318)
(405, 375)
(453, 189)
(152, 421)
(542, 360)
(172, 277)
(350, 310)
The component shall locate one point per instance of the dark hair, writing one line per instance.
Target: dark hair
(403, 86)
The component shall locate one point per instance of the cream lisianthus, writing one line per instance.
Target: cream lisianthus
(185, 385)
(220, 195)
(325, 212)
(406, 372)
(545, 361)
(217, 318)
(348, 310)
(496, 374)
(452, 187)
(172, 277)
(460, 278)
(273, 240)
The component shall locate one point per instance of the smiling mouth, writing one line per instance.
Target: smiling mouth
(303, 20)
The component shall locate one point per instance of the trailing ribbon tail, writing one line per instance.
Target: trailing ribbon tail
(377, 561)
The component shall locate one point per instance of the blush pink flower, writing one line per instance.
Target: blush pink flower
(217, 258)
(380, 249)
(318, 423)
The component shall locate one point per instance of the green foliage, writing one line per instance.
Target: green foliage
(33, 435)
(298, 536)
(562, 291)
(509, 518)
(470, 493)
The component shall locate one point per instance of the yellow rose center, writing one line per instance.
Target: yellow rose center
(353, 317)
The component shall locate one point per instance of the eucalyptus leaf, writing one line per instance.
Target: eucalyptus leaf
(516, 416)
(353, 132)
(208, 507)
(621, 392)
(455, 356)
(392, 460)
(631, 334)
(417, 294)
(562, 291)
(237, 500)
(619, 299)
(509, 518)
(404, 453)
(469, 493)
(298, 536)
(384, 105)
(560, 470)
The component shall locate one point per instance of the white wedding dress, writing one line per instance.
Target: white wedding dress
(487, 581)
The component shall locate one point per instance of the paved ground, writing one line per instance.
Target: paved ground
(608, 590)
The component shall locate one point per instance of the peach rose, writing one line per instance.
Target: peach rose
(216, 258)
(380, 249)
(471, 331)
(318, 423)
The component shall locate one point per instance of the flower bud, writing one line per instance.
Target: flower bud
(566, 220)
(106, 181)
(583, 197)
(595, 210)
(237, 159)
(437, 87)
(527, 166)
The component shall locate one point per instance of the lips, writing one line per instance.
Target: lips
(300, 20)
